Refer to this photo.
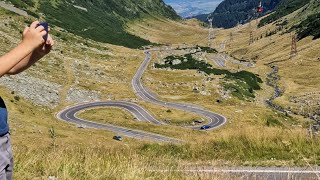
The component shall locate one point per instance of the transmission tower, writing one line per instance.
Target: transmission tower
(211, 34)
(251, 38)
(294, 51)
(251, 34)
(231, 37)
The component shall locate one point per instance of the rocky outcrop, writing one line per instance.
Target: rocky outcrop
(77, 95)
(38, 91)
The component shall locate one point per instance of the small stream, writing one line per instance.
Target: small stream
(272, 80)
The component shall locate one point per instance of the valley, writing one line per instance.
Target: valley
(175, 81)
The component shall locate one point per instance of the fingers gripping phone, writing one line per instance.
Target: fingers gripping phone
(46, 28)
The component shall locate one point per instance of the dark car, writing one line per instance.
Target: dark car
(204, 127)
(198, 121)
(118, 138)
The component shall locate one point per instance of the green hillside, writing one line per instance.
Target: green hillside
(310, 26)
(284, 8)
(306, 22)
(230, 12)
(99, 20)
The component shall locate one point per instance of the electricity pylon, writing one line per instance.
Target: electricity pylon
(294, 51)
(251, 38)
(231, 37)
(251, 33)
(211, 34)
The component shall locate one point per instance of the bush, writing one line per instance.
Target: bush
(245, 82)
(271, 121)
(17, 98)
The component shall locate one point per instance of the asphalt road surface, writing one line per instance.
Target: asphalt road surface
(248, 173)
(69, 114)
(218, 60)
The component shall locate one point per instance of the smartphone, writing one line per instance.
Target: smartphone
(46, 28)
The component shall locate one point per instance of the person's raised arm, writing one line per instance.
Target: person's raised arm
(33, 57)
(32, 40)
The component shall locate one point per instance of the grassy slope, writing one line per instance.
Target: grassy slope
(276, 48)
(103, 21)
(266, 50)
(244, 87)
(248, 139)
(159, 30)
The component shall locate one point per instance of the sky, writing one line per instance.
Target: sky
(187, 8)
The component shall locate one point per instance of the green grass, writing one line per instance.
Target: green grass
(105, 21)
(255, 149)
(22, 3)
(282, 147)
(240, 90)
(206, 49)
(95, 25)
(242, 84)
(82, 163)
(271, 121)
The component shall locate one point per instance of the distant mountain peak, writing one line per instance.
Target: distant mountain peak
(189, 8)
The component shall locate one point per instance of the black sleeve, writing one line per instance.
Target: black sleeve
(2, 105)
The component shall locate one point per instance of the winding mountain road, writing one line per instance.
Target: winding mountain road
(137, 111)
(220, 62)
(69, 114)
(215, 120)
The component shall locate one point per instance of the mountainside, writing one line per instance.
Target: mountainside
(231, 12)
(201, 17)
(272, 45)
(99, 20)
(297, 16)
(284, 8)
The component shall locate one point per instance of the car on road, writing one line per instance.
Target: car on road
(205, 127)
(81, 126)
(118, 138)
(198, 121)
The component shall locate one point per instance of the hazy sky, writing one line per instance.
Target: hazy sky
(193, 7)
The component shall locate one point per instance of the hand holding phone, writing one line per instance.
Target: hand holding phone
(46, 28)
